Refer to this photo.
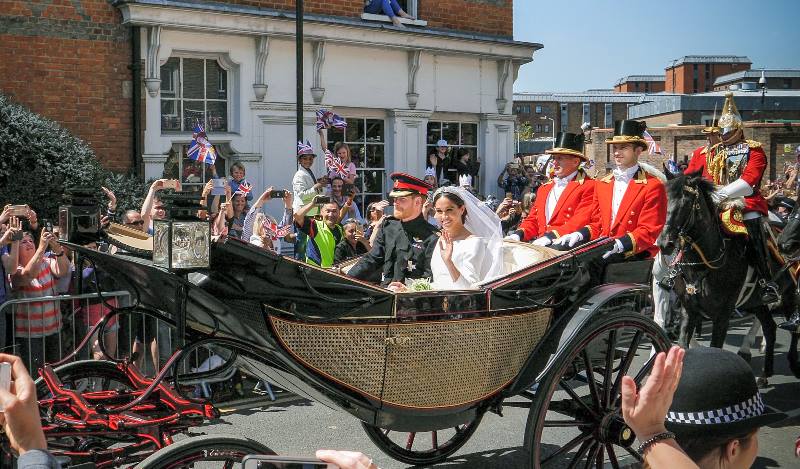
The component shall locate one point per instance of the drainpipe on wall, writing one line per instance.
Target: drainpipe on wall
(136, 72)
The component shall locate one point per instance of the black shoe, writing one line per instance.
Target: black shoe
(769, 293)
(793, 323)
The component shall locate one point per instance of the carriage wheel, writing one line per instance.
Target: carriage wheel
(213, 450)
(575, 418)
(87, 375)
(422, 447)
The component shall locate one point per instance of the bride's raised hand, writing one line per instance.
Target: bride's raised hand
(446, 246)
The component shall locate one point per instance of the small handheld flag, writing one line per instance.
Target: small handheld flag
(276, 231)
(672, 167)
(200, 149)
(327, 119)
(653, 147)
(335, 164)
(244, 188)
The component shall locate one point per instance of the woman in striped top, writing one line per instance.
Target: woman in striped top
(37, 324)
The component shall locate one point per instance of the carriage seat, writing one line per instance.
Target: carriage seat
(518, 255)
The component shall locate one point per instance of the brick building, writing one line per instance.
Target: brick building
(786, 79)
(696, 73)
(568, 111)
(448, 74)
(640, 84)
(71, 62)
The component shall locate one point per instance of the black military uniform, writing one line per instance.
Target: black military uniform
(402, 250)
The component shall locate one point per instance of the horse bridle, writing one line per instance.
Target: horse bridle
(685, 240)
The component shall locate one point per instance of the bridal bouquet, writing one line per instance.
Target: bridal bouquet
(419, 284)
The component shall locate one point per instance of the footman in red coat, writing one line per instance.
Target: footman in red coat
(563, 204)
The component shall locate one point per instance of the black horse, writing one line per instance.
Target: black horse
(710, 274)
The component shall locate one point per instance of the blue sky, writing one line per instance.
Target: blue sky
(590, 44)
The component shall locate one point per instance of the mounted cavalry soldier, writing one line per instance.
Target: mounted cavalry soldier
(630, 204)
(738, 166)
(404, 245)
(564, 204)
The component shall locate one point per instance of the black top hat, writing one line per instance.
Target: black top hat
(629, 131)
(568, 144)
(717, 395)
(405, 185)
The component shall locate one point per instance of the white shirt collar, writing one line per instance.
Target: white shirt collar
(565, 180)
(625, 174)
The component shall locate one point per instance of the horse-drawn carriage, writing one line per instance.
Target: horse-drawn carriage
(418, 369)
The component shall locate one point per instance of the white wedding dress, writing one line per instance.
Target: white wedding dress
(470, 258)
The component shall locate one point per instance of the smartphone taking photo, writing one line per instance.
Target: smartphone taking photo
(277, 194)
(255, 461)
(19, 210)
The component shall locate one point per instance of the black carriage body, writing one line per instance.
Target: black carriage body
(410, 362)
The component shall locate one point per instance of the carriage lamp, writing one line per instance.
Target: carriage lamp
(79, 217)
(181, 241)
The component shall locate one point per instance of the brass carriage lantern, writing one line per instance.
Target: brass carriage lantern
(181, 241)
(79, 217)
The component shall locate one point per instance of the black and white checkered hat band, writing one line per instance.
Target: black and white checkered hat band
(750, 408)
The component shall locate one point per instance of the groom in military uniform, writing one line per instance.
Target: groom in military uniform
(404, 245)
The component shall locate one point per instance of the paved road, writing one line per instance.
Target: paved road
(298, 427)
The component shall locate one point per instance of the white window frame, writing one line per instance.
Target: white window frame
(230, 70)
(360, 179)
(538, 109)
(454, 146)
(608, 115)
(587, 113)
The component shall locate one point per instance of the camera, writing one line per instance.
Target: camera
(277, 194)
(322, 199)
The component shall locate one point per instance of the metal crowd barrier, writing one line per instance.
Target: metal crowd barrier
(78, 314)
(151, 338)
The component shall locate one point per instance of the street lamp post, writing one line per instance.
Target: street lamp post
(552, 127)
(762, 83)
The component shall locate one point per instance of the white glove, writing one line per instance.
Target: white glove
(738, 188)
(543, 241)
(512, 237)
(617, 249)
(569, 240)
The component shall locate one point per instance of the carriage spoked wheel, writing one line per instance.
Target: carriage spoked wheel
(575, 418)
(419, 448)
(207, 451)
(87, 376)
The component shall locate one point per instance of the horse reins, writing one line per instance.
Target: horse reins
(686, 240)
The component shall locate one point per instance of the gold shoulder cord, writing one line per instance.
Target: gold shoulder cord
(715, 161)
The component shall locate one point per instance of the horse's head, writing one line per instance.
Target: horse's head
(789, 239)
(688, 197)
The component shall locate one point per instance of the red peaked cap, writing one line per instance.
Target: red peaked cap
(405, 185)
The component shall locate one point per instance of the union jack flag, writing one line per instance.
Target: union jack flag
(304, 148)
(276, 231)
(327, 119)
(201, 149)
(672, 167)
(244, 188)
(335, 164)
(653, 147)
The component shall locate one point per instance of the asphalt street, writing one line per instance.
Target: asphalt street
(298, 427)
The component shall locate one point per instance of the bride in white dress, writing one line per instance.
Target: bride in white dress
(469, 248)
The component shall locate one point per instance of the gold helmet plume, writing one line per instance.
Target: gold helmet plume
(730, 119)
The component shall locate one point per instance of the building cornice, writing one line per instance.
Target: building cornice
(410, 114)
(220, 18)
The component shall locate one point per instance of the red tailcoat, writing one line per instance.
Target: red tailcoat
(698, 162)
(640, 217)
(573, 210)
(752, 173)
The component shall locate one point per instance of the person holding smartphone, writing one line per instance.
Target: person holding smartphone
(323, 235)
(267, 195)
